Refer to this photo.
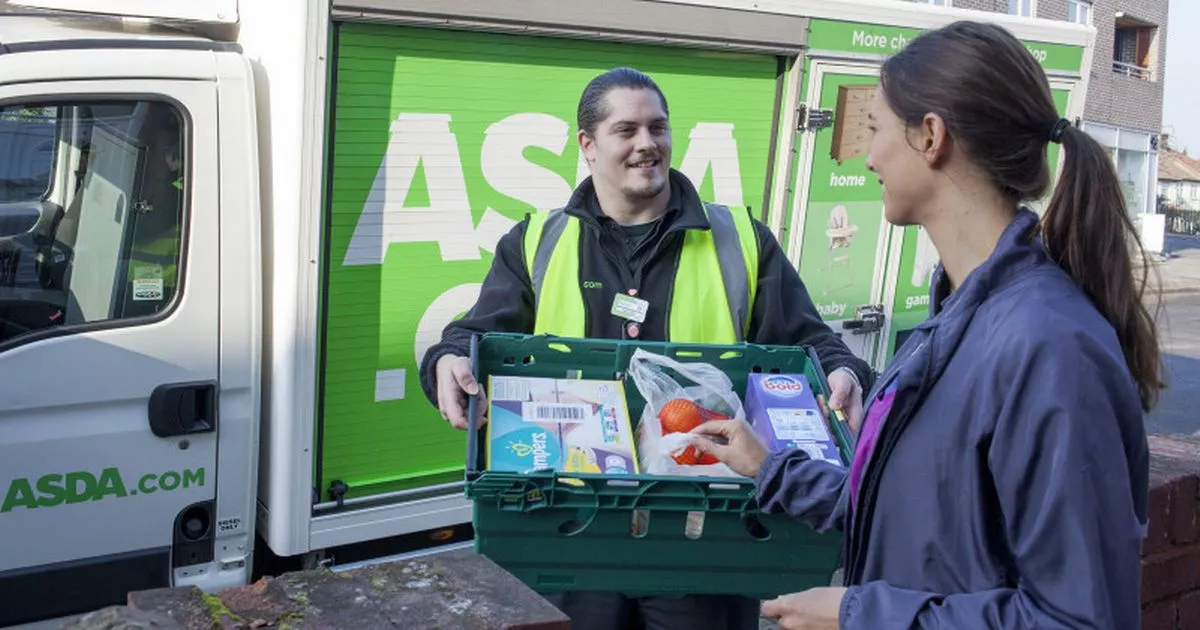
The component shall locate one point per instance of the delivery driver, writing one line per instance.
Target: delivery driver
(635, 254)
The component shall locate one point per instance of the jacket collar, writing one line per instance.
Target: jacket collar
(1018, 250)
(685, 210)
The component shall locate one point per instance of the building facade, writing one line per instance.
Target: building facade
(1125, 88)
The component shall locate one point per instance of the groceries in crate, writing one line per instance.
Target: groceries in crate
(566, 425)
(679, 396)
(785, 414)
(681, 415)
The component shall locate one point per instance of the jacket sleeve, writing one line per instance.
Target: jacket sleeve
(1069, 464)
(784, 313)
(808, 490)
(505, 304)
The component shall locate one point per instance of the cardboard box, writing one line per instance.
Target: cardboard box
(566, 425)
(784, 413)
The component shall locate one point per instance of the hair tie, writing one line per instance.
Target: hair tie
(1057, 131)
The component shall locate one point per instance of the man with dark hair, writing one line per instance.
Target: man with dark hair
(636, 254)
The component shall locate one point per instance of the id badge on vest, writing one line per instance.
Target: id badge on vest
(630, 308)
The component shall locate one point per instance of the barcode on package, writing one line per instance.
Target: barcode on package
(798, 425)
(509, 389)
(555, 412)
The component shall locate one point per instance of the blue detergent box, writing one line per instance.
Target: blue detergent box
(566, 425)
(784, 413)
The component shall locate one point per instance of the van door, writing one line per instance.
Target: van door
(842, 244)
(108, 340)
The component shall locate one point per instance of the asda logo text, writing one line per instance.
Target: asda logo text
(80, 486)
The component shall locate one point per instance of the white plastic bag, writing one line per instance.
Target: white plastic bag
(700, 383)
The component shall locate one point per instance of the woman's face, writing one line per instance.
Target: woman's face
(895, 157)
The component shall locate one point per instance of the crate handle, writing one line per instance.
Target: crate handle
(472, 406)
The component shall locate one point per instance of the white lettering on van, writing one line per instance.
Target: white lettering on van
(914, 301)
(426, 140)
(831, 310)
(417, 140)
(872, 40)
(846, 181)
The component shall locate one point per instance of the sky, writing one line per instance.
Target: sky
(1181, 90)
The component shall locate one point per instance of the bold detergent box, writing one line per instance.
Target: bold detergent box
(784, 413)
(567, 425)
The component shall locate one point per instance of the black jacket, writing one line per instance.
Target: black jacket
(783, 312)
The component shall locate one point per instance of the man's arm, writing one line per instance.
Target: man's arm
(784, 313)
(505, 304)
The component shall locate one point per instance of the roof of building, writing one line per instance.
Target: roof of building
(1176, 166)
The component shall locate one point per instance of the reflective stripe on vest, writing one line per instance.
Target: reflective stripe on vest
(158, 258)
(729, 250)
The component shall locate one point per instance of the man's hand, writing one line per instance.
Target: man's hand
(741, 450)
(846, 396)
(454, 384)
(814, 609)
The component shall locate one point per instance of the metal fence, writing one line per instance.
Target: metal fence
(1182, 218)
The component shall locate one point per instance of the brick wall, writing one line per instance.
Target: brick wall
(1112, 99)
(1118, 100)
(995, 6)
(1171, 550)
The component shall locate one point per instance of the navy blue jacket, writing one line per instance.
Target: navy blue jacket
(1008, 486)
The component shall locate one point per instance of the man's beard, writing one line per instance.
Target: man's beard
(642, 194)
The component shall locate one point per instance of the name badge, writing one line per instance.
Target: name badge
(630, 308)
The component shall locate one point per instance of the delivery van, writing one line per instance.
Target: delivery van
(231, 229)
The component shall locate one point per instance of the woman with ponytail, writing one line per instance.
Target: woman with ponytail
(1000, 475)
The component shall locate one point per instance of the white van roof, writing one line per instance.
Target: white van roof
(22, 30)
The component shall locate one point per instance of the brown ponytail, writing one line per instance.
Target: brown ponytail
(1088, 232)
(995, 100)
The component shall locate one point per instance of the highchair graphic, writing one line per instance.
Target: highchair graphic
(840, 233)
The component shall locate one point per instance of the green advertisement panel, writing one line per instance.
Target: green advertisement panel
(918, 259)
(878, 39)
(843, 220)
(442, 141)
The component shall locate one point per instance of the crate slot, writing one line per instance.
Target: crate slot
(639, 523)
(755, 528)
(693, 527)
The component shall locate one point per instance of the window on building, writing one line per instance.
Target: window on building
(1135, 47)
(1021, 7)
(1079, 11)
(91, 208)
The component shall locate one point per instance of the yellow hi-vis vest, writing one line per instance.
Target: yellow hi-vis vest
(715, 283)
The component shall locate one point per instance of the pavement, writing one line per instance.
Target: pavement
(1178, 267)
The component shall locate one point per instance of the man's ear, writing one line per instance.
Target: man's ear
(587, 145)
(935, 139)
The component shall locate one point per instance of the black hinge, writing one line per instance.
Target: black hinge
(813, 119)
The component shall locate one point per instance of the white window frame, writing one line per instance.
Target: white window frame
(1024, 8)
(1086, 6)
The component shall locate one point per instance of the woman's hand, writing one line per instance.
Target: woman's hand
(738, 447)
(814, 609)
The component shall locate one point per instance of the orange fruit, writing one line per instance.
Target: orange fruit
(680, 415)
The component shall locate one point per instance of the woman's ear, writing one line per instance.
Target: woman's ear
(934, 142)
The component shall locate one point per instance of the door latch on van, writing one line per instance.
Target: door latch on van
(868, 318)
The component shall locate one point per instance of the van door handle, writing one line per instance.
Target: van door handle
(183, 408)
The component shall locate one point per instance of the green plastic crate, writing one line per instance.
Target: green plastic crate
(560, 537)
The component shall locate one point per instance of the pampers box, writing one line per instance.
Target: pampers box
(784, 413)
(567, 425)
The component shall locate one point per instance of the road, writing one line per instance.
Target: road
(1178, 410)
